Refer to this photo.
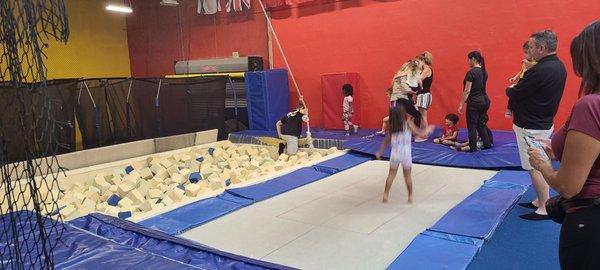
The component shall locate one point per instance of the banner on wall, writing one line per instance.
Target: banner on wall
(209, 6)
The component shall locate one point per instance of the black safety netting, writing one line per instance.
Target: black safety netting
(32, 130)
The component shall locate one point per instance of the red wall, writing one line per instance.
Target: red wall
(372, 38)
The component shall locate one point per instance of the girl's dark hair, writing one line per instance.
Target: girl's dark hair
(347, 90)
(585, 52)
(452, 117)
(479, 58)
(397, 118)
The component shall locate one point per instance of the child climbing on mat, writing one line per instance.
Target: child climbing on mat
(289, 128)
(399, 137)
(450, 132)
(526, 64)
(348, 108)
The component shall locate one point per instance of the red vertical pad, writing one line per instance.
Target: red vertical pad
(331, 88)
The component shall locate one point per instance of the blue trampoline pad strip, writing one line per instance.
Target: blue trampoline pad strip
(479, 214)
(194, 214)
(174, 248)
(341, 163)
(519, 177)
(278, 185)
(437, 251)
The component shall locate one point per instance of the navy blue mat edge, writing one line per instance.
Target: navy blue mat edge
(501, 180)
(154, 234)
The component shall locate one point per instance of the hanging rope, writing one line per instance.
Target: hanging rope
(262, 6)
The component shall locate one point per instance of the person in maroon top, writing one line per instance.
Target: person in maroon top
(577, 146)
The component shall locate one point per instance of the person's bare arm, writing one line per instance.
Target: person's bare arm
(278, 127)
(383, 146)
(579, 154)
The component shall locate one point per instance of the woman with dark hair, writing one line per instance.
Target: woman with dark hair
(477, 101)
(577, 146)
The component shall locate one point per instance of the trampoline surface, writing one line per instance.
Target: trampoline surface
(339, 222)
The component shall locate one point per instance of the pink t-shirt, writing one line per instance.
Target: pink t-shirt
(585, 118)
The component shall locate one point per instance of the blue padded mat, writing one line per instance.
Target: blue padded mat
(520, 178)
(194, 214)
(341, 163)
(81, 249)
(481, 213)
(520, 244)
(504, 154)
(278, 185)
(177, 249)
(432, 250)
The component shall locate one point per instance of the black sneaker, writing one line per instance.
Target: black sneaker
(534, 216)
(529, 205)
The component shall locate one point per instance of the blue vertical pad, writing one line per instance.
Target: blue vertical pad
(174, 248)
(341, 163)
(431, 251)
(504, 153)
(278, 185)
(267, 94)
(481, 213)
(195, 214)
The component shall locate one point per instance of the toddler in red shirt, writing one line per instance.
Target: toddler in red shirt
(450, 131)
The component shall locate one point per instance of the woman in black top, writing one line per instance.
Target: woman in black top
(477, 101)
(425, 60)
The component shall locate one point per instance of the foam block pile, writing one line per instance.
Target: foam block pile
(161, 181)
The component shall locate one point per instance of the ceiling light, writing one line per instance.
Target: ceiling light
(119, 8)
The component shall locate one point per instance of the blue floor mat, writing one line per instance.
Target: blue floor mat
(177, 249)
(432, 250)
(81, 249)
(194, 214)
(504, 154)
(278, 185)
(482, 212)
(520, 244)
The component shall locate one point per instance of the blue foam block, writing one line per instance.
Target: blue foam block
(200, 159)
(504, 154)
(437, 251)
(124, 214)
(482, 212)
(128, 169)
(195, 214)
(113, 200)
(211, 151)
(195, 177)
(278, 185)
(227, 182)
(181, 186)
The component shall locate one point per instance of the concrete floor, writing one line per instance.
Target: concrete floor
(340, 222)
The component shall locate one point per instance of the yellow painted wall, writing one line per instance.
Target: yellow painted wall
(97, 45)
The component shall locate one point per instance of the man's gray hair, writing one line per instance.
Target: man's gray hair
(546, 38)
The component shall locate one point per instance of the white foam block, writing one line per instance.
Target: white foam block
(177, 179)
(283, 157)
(185, 172)
(175, 194)
(67, 211)
(216, 185)
(155, 168)
(135, 196)
(91, 195)
(124, 188)
(155, 193)
(100, 183)
(166, 201)
(101, 207)
(125, 202)
(88, 204)
(172, 170)
(192, 190)
(332, 150)
(145, 206)
(143, 187)
(113, 189)
(315, 155)
(162, 173)
(302, 154)
(146, 173)
(166, 163)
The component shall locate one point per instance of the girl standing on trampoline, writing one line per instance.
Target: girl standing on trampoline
(399, 136)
